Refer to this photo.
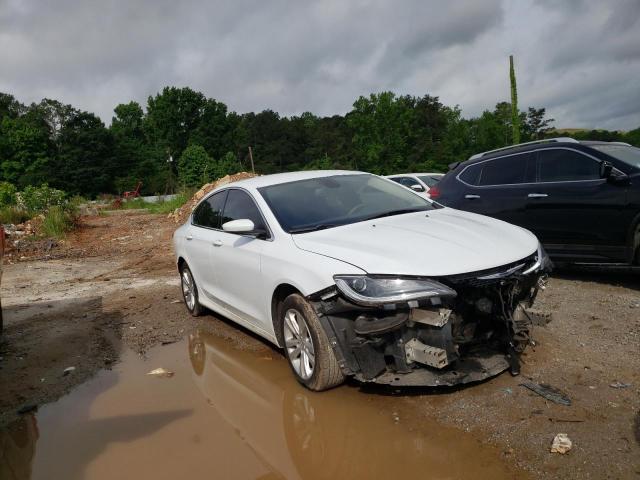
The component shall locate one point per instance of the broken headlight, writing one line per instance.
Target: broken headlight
(369, 290)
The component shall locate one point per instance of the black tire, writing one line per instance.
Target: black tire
(326, 373)
(194, 307)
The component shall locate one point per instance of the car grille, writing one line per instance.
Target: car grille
(489, 276)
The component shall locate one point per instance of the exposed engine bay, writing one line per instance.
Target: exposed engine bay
(474, 328)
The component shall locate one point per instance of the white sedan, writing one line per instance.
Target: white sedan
(418, 182)
(354, 275)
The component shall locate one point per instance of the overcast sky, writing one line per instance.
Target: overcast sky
(580, 59)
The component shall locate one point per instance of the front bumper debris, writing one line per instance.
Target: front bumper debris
(475, 335)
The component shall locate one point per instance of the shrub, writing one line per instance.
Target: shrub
(12, 214)
(57, 221)
(39, 199)
(7, 194)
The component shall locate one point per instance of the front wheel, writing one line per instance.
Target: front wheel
(190, 291)
(307, 347)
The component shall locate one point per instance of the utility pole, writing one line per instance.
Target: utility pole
(170, 185)
(515, 117)
(253, 170)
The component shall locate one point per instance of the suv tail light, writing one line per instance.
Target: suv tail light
(434, 192)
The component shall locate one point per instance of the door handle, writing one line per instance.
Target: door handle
(217, 243)
(537, 195)
(471, 197)
(189, 237)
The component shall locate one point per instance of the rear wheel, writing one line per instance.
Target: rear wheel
(307, 347)
(190, 291)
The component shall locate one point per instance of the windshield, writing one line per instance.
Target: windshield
(630, 155)
(327, 202)
(429, 181)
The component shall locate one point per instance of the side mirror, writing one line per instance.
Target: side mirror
(417, 188)
(243, 225)
(605, 169)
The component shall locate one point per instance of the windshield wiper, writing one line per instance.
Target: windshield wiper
(391, 213)
(313, 228)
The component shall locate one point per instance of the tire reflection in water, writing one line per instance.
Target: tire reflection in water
(342, 433)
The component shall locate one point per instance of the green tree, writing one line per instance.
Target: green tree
(135, 159)
(195, 166)
(172, 116)
(381, 126)
(25, 151)
(227, 165)
(84, 164)
(535, 125)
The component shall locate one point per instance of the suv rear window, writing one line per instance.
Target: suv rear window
(509, 170)
(561, 165)
(470, 174)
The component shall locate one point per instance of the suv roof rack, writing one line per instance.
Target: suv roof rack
(535, 142)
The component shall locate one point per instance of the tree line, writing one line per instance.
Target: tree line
(181, 137)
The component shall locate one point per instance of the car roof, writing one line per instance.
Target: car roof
(278, 178)
(529, 146)
(414, 174)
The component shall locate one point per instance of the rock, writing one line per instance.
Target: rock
(619, 385)
(161, 372)
(561, 444)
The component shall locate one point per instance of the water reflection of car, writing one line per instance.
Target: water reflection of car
(418, 182)
(354, 275)
(18, 447)
(296, 434)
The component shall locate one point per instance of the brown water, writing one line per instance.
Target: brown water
(230, 413)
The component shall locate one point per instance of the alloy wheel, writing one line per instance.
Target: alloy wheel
(298, 343)
(188, 289)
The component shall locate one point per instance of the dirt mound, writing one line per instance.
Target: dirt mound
(181, 214)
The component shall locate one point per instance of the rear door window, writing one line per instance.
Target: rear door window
(241, 206)
(563, 165)
(209, 212)
(509, 170)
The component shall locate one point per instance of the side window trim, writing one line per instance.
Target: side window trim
(255, 204)
(537, 171)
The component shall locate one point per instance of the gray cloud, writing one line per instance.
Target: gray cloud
(580, 59)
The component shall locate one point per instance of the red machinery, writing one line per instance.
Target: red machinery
(117, 203)
(134, 193)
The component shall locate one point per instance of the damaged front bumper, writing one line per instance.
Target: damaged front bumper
(473, 327)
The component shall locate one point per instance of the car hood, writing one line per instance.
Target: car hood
(433, 243)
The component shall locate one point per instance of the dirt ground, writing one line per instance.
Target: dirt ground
(112, 284)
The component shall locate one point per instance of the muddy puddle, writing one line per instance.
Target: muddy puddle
(231, 413)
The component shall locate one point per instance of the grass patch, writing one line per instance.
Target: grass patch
(57, 222)
(167, 206)
(13, 215)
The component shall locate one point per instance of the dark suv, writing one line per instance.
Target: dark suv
(582, 199)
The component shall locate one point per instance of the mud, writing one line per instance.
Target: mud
(106, 301)
(230, 412)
